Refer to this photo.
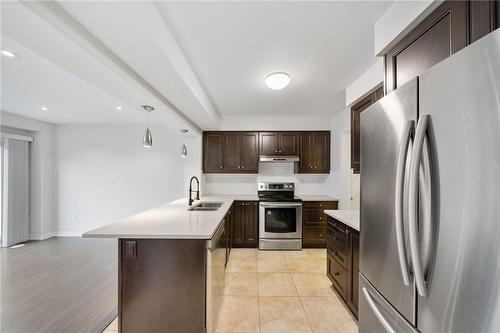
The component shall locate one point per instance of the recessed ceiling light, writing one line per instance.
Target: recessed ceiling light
(277, 80)
(44, 108)
(8, 54)
(119, 108)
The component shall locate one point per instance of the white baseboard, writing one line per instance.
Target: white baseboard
(51, 234)
(70, 233)
(43, 236)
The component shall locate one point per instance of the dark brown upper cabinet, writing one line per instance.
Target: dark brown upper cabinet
(230, 152)
(314, 152)
(241, 152)
(213, 152)
(278, 143)
(238, 152)
(449, 28)
(356, 110)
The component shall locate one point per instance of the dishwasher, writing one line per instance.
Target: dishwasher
(216, 262)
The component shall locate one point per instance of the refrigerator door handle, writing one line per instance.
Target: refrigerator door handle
(416, 155)
(376, 311)
(399, 201)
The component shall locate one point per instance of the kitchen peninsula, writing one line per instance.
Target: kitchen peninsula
(170, 265)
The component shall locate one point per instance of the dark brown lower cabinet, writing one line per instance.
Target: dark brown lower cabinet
(161, 285)
(314, 223)
(245, 218)
(353, 270)
(343, 262)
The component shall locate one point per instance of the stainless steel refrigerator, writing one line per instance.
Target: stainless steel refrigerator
(430, 200)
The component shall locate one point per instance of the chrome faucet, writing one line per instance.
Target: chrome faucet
(191, 190)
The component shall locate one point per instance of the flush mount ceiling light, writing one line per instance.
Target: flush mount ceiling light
(184, 151)
(277, 80)
(148, 137)
(44, 108)
(8, 53)
(119, 108)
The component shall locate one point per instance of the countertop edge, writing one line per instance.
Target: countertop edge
(343, 219)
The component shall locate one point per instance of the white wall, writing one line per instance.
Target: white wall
(105, 174)
(268, 172)
(398, 20)
(275, 123)
(193, 161)
(366, 83)
(340, 176)
(42, 217)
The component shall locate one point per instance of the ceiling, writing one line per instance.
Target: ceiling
(196, 62)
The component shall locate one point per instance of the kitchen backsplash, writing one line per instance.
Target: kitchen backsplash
(268, 172)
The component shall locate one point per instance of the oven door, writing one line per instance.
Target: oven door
(280, 220)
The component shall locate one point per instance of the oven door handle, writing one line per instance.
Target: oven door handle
(280, 204)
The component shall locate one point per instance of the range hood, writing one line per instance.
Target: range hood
(279, 159)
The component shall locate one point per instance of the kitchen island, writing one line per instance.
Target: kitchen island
(171, 266)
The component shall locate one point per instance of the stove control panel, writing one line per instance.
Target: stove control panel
(275, 187)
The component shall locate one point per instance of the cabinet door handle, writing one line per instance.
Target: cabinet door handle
(336, 273)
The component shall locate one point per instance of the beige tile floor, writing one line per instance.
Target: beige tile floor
(279, 292)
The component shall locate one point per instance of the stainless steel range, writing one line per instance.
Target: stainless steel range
(280, 217)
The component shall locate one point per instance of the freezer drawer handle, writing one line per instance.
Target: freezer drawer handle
(377, 312)
(399, 195)
(413, 205)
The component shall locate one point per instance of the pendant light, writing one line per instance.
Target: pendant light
(184, 151)
(148, 138)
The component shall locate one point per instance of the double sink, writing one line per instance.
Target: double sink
(206, 206)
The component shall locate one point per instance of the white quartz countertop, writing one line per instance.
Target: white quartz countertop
(312, 197)
(349, 217)
(171, 221)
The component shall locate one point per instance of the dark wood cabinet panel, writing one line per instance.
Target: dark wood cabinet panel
(278, 143)
(314, 152)
(232, 149)
(251, 223)
(356, 110)
(314, 221)
(249, 152)
(338, 276)
(213, 152)
(245, 224)
(353, 272)
(230, 152)
(438, 36)
(269, 143)
(321, 152)
(449, 28)
(305, 152)
(287, 143)
(162, 285)
(343, 261)
(238, 152)
(238, 224)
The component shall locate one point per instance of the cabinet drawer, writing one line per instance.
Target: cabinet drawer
(337, 226)
(319, 205)
(337, 275)
(314, 234)
(340, 254)
(314, 217)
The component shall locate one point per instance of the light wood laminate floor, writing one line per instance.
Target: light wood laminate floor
(62, 284)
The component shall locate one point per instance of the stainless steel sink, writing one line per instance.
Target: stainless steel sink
(206, 206)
